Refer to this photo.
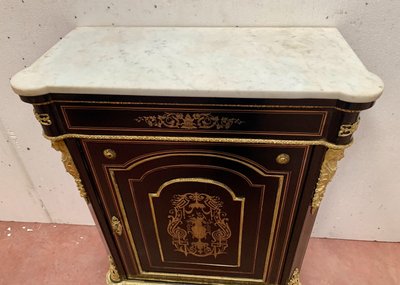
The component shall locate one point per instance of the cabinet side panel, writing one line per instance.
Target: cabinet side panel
(94, 204)
(304, 220)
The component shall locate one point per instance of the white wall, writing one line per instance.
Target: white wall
(363, 201)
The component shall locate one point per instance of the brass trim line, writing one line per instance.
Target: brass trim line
(200, 104)
(152, 282)
(199, 139)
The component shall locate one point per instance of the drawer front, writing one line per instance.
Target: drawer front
(200, 210)
(196, 121)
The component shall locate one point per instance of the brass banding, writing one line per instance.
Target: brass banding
(200, 104)
(200, 139)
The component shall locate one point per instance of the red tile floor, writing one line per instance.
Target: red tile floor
(34, 253)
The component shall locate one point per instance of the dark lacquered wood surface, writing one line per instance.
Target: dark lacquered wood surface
(259, 209)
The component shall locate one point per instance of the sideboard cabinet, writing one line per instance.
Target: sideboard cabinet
(204, 153)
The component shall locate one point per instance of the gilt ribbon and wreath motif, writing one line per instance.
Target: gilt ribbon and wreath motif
(189, 121)
(197, 225)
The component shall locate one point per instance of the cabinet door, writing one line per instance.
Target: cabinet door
(195, 211)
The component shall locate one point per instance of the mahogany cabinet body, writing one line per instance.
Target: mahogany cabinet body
(199, 190)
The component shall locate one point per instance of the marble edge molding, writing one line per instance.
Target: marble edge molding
(43, 90)
(31, 82)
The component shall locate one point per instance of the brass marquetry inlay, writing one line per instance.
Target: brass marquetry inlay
(70, 166)
(283, 158)
(295, 279)
(116, 225)
(348, 129)
(328, 170)
(197, 225)
(43, 119)
(189, 121)
(113, 272)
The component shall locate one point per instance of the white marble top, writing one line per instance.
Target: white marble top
(216, 62)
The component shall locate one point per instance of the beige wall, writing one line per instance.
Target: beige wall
(362, 202)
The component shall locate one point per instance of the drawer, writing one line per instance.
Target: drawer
(199, 209)
(195, 121)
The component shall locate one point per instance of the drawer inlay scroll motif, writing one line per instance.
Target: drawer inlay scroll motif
(189, 121)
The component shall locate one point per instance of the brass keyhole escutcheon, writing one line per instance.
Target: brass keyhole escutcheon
(283, 158)
(116, 225)
(109, 153)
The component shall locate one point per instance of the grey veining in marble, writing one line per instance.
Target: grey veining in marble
(216, 62)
